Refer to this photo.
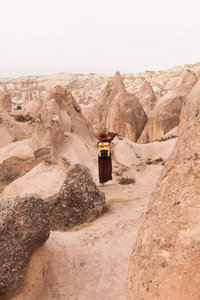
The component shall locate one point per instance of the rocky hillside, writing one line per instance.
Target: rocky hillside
(48, 155)
(161, 95)
(164, 264)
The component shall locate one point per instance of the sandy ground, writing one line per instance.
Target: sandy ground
(91, 262)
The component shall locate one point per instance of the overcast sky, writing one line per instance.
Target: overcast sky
(82, 36)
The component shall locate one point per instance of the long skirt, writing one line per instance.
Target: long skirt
(105, 169)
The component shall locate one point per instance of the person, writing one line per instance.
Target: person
(105, 164)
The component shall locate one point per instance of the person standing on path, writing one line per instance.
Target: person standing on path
(105, 161)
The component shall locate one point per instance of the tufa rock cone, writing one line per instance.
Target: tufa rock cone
(118, 110)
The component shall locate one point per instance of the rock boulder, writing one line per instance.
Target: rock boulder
(78, 200)
(24, 226)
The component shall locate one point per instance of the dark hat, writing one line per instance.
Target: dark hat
(103, 136)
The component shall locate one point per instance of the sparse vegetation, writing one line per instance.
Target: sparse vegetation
(22, 118)
(117, 173)
(126, 180)
(155, 161)
(162, 139)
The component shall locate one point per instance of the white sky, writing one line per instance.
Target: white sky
(81, 36)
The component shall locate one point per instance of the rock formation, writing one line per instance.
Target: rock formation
(32, 104)
(45, 180)
(20, 160)
(190, 107)
(185, 82)
(59, 114)
(147, 98)
(78, 200)
(5, 101)
(34, 90)
(42, 147)
(118, 110)
(166, 116)
(48, 130)
(165, 260)
(12, 130)
(24, 226)
(50, 156)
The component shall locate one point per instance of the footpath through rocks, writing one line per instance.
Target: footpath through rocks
(92, 261)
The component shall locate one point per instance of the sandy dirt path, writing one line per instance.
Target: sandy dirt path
(94, 261)
(91, 263)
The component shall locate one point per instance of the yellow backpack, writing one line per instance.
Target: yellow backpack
(104, 149)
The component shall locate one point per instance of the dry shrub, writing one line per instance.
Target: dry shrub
(126, 180)
(154, 162)
(21, 118)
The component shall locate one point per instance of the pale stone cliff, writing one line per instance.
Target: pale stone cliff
(165, 260)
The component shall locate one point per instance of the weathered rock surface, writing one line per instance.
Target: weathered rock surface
(78, 200)
(5, 101)
(165, 261)
(147, 98)
(50, 156)
(32, 106)
(186, 81)
(33, 91)
(24, 226)
(44, 180)
(20, 160)
(166, 116)
(12, 130)
(59, 125)
(118, 110)
(59, 113)
(6, 150)
(190, 107)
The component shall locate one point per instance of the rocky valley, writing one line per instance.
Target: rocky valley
(62, 235)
